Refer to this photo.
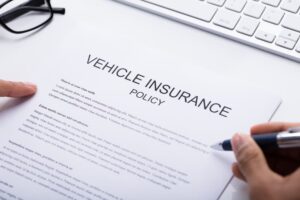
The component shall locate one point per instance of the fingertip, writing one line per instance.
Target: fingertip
(238, 141)
(265, 127)
(235, 142)
(254, 129)
(32, 88)
(24, 89)
(21, 89)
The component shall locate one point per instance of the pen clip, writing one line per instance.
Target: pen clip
(294, 130)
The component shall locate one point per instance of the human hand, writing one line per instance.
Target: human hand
(273, 174)
(16, 89)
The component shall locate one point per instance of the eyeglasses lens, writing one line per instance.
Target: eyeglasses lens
(22, 15)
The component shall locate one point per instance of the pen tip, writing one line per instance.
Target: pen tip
(217, 146)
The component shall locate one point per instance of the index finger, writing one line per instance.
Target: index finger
(16, 89)
(272, 127)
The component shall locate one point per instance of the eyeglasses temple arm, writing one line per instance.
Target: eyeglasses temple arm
(18, 11)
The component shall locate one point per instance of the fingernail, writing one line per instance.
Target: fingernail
(238, 140)
(32, 88)
(30, 85)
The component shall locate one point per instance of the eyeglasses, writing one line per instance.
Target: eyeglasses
(21, 16)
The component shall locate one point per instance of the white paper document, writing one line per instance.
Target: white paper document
(103, 126)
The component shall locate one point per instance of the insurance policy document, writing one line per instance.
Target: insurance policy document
(103, 126)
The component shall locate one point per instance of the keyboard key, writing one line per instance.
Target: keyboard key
(216, 2)
(236, 5)
(291, 5)
(226, 19)
(254, 9)
(274, 3)
(286, 43)
(291, 22)
(298, 48)
(247, 26)
(196, 9)
(291, 35)
(264, 36)
(273, 16)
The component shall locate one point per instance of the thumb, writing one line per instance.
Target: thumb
(250, 159)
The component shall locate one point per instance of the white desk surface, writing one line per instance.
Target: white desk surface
(192, 48)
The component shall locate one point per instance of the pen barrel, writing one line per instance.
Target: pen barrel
(266, 141)
(288, 140)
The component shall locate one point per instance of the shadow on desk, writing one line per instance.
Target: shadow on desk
(10, 103)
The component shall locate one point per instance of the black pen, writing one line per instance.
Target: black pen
(285, 139)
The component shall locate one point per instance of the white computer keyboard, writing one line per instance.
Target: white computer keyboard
(271, 25)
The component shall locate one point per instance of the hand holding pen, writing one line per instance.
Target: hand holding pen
(271, 174)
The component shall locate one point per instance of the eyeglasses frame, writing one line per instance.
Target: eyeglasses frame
(31, 5)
